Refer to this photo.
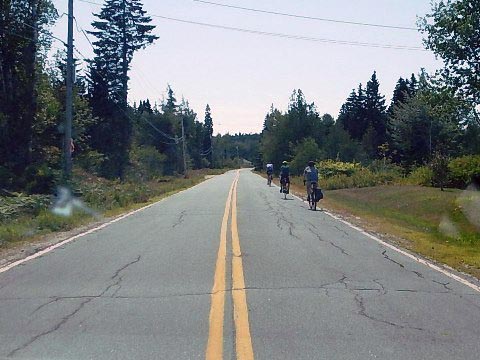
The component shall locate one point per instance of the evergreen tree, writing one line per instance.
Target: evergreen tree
(352, 114)
(207, 135)
(121, 29)
(170, 105)
(400, 94)
(412, 85)
(22, 23)
(375, 116)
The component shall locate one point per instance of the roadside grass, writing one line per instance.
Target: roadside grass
(431, 221)
(107, 198)
(443, 226)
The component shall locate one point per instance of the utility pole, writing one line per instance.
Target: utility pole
(69, 98)
(211, 150)
(184, 150)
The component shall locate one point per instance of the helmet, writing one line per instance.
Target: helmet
(311, 163)
(284, 162)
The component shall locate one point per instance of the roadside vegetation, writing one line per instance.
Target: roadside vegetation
(441, 225)
(29, 217)
(410, 168)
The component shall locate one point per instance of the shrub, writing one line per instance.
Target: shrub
(13, 207)
(422, 175)
(91, 161)
(330, 168)
(304, 152)
(41, 179)
(147, 162)
(439, 167)
(464, 170)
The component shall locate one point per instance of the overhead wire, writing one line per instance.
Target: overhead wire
(296, 37)
(175, 139)
(307, 17)
(292, 36)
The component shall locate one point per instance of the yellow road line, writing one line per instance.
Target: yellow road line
(243, 341)
(217, 308)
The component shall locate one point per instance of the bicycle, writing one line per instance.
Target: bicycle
(311, 196)
(284, 187)
(269, 179)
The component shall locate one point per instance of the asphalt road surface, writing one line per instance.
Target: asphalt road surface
(231, 270)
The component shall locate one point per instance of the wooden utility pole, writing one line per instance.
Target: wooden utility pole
(184, 149)
(69, 95)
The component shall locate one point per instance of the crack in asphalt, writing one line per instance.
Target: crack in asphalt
(419, 274)
(377, 281)
(445, 285)
(180, 219)
(384, 253)
(51, 330)
(75, 311)
(54, 299)
(360, 302)
(341, 249)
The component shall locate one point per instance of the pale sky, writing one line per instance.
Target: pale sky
(240, 74)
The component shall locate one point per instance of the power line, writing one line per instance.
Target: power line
(307, 17)
(176, 140)
(153, 126)
(291, 36)
(296, 37)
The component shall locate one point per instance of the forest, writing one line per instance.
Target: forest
(431, 119)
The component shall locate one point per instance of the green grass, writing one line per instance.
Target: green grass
(435, 224)
(25, 221)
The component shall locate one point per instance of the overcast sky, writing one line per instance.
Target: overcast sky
(241, 74)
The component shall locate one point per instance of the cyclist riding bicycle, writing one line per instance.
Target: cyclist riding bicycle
(269, 173)
(284, 176)
(310, 177)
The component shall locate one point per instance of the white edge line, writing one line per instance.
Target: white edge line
(400, 251)
(66, 241)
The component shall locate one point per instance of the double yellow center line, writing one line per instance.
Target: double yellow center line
(243, 340)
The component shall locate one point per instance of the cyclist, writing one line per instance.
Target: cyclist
(285, 177)
(269, 173)
(310, 178)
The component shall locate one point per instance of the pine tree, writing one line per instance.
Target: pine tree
(352, 114)
(23, 32)
(412, 85)
(207, 135)
(400, 94)
(121, 29)
(375, 113)
(170, 105)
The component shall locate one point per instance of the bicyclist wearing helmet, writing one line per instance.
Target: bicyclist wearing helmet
(310, 176)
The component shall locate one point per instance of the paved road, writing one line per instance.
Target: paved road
(158, 285)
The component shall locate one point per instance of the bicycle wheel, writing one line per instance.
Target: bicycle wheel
(313, 197)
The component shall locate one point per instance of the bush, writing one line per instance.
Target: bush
(147, 162)
(464, 170)
(422, 175)
(304, 152)
(91, 161)
(13, 207)
(330, 168)
(41, 179)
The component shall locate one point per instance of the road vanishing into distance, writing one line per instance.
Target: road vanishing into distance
(230, 270)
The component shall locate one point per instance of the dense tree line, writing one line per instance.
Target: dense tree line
(421, 120)
(111, 138)
(430, 117)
